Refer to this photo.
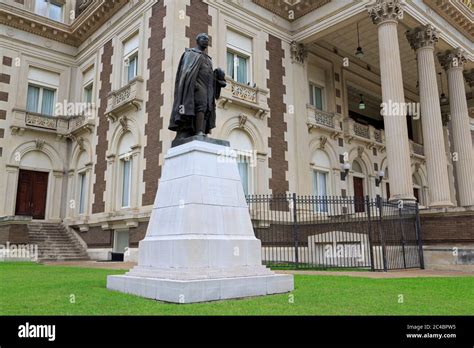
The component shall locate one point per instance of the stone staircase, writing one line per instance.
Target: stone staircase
(55, 242)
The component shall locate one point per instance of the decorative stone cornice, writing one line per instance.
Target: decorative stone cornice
(452, 58)
(291, 9)
(458, 13)
(386, 10)
(425, 36)
(92, 17)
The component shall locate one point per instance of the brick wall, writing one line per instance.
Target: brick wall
(154, 145)
(276, 121)
(447, 228)
(4, 82)
(96, 237)
(102, 144)
(199, 21)
(14, 233)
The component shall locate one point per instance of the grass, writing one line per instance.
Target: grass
(33, 289)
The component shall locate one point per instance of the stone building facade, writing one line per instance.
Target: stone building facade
(86, 89)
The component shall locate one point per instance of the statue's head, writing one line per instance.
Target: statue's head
(202, 40)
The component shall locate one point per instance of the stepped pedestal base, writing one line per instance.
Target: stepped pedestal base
(200, 245)
(190, 291)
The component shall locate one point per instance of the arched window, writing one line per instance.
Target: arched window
(125, 166)
(321, 177)
(243, 145)
(82, 183)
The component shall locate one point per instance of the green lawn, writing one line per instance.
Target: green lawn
(32, 289)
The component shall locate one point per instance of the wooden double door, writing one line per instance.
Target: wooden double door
(359, 199)
(31, 194)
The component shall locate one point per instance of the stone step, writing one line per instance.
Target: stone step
(55, 243)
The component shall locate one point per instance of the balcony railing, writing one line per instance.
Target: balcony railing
(250, 97)
(61, 125)
(128, 96)
(378, 136)
(361, 130)
(243, 92)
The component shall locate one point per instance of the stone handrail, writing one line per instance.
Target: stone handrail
(242, 91)
(122, 98)
(361, 130)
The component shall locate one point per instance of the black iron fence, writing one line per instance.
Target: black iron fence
(336, 232)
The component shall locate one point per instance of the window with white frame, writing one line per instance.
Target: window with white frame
(88, 85)
(243, 163)
(126, 166)
(82, 191)
(41, 94)
(50, 8)
(130, 58)
(321, 169)
(320, 180)
(316, 94)
(239, 57)
(88, 93)
(242, 144)
(40, 100)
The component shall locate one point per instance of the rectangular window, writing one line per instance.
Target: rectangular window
(32, 102)
(239, 55)
(132, 67)
(126, 181)
(55, 11)
(82, 192)
(243, 167)
(40, 100)
(316, 96)
(88, 93)
(49, 8)
(320, 190)
(237, 67)
(130, 58)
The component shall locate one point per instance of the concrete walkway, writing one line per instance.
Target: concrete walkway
(412, 273)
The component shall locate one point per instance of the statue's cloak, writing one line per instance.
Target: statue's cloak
(184, 106)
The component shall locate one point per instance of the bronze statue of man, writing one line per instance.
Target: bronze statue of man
(197, 86)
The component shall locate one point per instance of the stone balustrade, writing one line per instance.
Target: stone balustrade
(61, 125)
(322, 119)
(251, 97)
(130, 95)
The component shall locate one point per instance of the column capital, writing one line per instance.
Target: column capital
(469, 76)
(424, 36)
(452, 58)
(385, 11)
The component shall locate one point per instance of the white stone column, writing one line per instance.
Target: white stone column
(463, 157)
(385, 15)
(423, 40)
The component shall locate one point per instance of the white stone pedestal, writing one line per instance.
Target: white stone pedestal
(200, 244)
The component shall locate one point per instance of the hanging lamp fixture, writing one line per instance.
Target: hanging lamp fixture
(359, 53)
(361, 103)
